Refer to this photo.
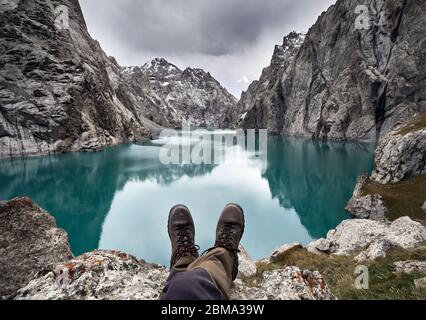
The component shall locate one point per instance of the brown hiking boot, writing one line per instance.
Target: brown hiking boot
(229, 231)
(182, 233)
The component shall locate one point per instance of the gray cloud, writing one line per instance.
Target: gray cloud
(233, 39)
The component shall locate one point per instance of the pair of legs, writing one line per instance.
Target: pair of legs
(209, 276)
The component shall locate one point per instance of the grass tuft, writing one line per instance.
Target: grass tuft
(417, 123)
(404, 198)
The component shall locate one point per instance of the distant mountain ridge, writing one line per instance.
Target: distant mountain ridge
(179, 95)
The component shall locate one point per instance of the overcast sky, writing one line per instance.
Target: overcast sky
(232, 39)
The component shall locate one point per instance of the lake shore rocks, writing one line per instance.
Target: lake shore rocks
(98, 275)
(369, 206)
(112, 275)
(420, 283)
(372, 238)
(400, 156)
(410, 266)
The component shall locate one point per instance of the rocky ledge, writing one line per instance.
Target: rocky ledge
(402, 153)
(370, 239)
(113, 275)
(37, 264)
(30, 244)
(400, 156)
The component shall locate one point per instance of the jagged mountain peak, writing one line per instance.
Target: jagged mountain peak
(284, 53)
(196, 74)
(154, 66)
(158, 64)
(175, 95)
(294, 39)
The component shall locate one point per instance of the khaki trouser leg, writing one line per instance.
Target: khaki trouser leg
(183, 263)
(219, 264)
(180, 266)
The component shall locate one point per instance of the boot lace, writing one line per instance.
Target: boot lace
(185, 243)
(225, 240)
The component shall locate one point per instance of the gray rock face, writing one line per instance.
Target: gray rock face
(424, 207)
(30, 244)
(175, 95)
(58, 90)
(400, 156)
(261, 105)
(366, 207)
(290, 283)
(349, 83)
(353, 236)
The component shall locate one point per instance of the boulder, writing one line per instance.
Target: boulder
(420, 283)
(375, 250)
(290, 283)
(400, 156)
(366, 207)
(409, 266)
(406, 233)
(372, 239)
(30, 244)
(246, 267)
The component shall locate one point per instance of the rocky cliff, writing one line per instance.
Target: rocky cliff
(58, 90)
(176, 95)
(261, 106)
(354, 77)
(30, 244)
(402, 153)
(398, 177)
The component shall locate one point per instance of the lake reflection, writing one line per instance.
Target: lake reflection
(120, 198)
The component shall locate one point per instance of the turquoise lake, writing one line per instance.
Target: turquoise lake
(120, 198)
